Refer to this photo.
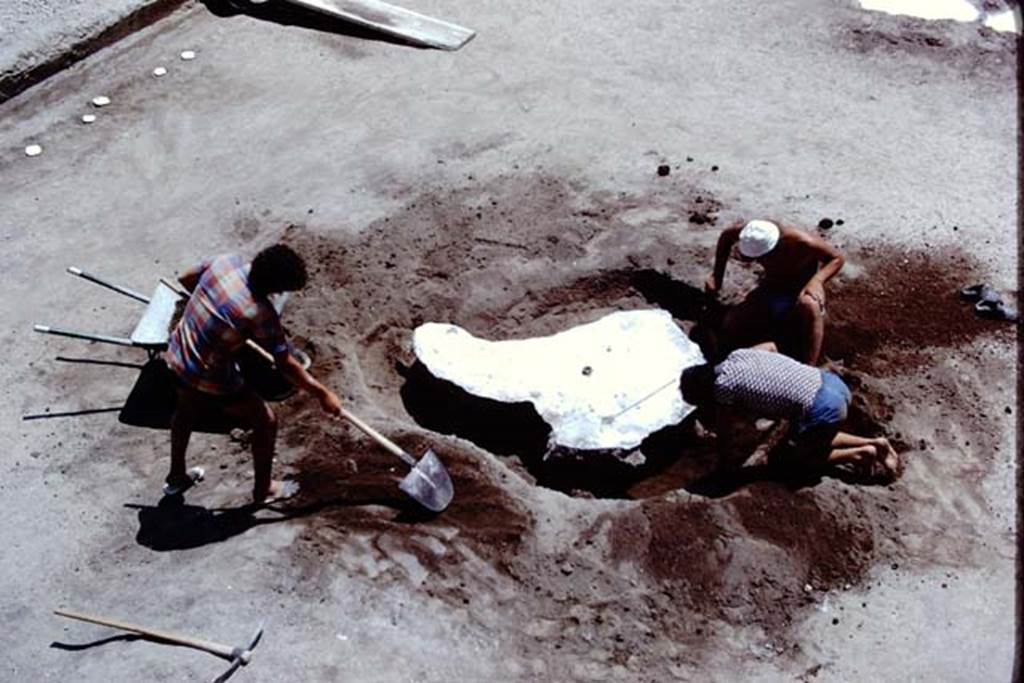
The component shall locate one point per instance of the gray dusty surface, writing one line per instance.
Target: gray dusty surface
(400, 171)
(34, 32)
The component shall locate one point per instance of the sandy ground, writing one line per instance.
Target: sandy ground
(40, 37)
(511, 188)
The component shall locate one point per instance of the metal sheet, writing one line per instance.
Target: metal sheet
(151, 330)
(396, 21)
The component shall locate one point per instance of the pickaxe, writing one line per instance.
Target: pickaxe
(239, 656)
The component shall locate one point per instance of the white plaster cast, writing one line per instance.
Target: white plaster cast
(583, 382)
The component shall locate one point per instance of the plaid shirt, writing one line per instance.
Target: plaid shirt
(219, 316)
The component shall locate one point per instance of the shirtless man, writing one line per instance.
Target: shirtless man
(791, 293)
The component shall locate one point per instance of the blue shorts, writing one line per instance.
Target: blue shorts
(830, 404)
(818, 427)
(777, 303)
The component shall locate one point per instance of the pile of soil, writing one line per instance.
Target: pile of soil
(524, 256)
(904, 307)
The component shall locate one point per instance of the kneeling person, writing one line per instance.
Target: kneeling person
(760, 383)
(229, 304)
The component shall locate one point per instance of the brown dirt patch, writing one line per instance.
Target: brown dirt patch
(977, 52)
(749, 559)
(349, 483)
(904, 305)
(525, 256)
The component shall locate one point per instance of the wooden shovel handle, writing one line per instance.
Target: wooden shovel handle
(205, 645)
(392, 447)
(387, 443)
(248, 342)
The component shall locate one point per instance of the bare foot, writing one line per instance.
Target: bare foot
(279, 490)
(887, 458)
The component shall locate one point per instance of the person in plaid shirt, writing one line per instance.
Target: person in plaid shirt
(228, 305)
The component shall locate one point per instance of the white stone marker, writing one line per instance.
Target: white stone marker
(88, 118)
(582, 381)
(33, 150)
(188, 55)
(159, 71)
(100, 101)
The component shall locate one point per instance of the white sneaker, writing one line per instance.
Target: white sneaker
(194, 474)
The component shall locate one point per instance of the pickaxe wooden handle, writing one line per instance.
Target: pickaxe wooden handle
(225, 651)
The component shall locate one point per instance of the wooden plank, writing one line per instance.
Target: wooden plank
(395, 21)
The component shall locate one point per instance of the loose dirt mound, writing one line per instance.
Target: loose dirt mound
(902, 307)
(529, 256)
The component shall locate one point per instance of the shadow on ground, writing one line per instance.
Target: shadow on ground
(681, 456)
(289, 15)
(673, 456)
(172, 524)
(75, 647)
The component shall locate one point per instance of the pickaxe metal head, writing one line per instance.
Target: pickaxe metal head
(241, 656)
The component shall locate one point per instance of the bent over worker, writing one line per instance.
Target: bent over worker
(229, 304)
(789, 302)
(759, 382)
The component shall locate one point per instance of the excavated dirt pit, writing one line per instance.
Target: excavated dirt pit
(526, 256)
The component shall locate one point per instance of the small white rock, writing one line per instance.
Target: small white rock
(33, 150)
(808, 588)
(88, 118)
(188, 55)
(100, 101)
(159, 71)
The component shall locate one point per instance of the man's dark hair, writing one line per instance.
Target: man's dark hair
(277, 269)
(697, 384)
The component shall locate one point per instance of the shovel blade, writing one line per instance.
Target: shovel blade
(428, 483)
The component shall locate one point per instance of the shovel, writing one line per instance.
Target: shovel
(427, 483)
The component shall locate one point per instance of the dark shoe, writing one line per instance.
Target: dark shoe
(193, 476)
(979, 292)
(996, 310)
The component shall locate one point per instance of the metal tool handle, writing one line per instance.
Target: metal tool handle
(109, 285)
(174, 288)
(205, 645)
(107, 339)
(663, 387)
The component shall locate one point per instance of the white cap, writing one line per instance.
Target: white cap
(757, 238)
